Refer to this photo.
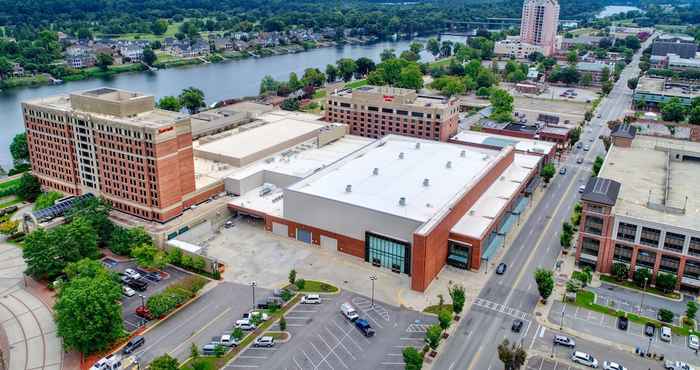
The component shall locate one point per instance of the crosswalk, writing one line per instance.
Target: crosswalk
(417, 328)
(493, 306)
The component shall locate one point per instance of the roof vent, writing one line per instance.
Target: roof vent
(401, 155)
(375, 171)
(402, 201)
(348, 188)
(448, 164)
(463, 153)
(426, 182)
(417, 145)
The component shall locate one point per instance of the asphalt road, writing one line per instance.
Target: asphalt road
(537, 245)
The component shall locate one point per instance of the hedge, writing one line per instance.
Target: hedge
(176, 294)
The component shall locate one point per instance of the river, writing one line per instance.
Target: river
(611, 10)
(231, 79)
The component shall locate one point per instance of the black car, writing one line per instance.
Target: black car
(501, 269)
(622, 323)
(137, 284)
(517, 325)
(649, 329)
(133, 344)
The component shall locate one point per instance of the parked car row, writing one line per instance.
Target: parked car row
(363, 325)
(584, 358)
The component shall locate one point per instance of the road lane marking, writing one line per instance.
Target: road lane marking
(184, 342)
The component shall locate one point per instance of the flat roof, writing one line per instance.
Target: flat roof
(485, 211)
(278, 130)
(647, 182)
(659, 85)
(398, 178)
(520, 144)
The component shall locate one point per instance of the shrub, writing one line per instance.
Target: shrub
(286, 295)
(691, 310)
(292, 276)
(412, 358)
(445, 319)
(237, 333)
(640, 275)
(300, 283)
(458, 298)
(665, 315)
(194, 351)
(620, 271)
(666, 282)
(433, 335)
(219, 350)
(283, 323)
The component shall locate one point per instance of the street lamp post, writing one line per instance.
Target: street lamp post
(644, 290)
(649, 347)
(143, 300)
(561, 323)
(372, 278)
(252, 285)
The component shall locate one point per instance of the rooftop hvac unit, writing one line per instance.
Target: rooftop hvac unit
(348, 188)
(417, 145)
(448, 164)
(402, 201)
(401, 155)
(463, 153)
(426, 182)
(375, 171)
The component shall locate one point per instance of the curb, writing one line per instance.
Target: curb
(646, 292)
(289, 335)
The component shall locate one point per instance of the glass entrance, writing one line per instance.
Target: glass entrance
(383, 251)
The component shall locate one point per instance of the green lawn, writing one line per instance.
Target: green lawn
(313, 286)
(436, 309)
(632, 285)
(441, 63)
(318, 94)
(10, 203)
(355, 84)
(9, 184)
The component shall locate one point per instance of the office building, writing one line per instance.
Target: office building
(376, 111)
(643, 209)
(681, 45)
(655, 91)
(115, 144)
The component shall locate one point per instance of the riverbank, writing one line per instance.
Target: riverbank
(166, 61)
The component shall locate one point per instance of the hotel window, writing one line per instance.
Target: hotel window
(622, 253)
(650, 237)
(674, 242)
(590, 246)
(694, 247)
(669, 264)
(593, 225)
(646, 259)
(387, 110)
(626, 231)
(692, 270)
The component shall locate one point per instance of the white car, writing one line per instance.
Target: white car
(245, 324)
(311, 299)
(582, 188)
(677, 365)
(132, 274)
(693, 342)
(128, 291)
(584, 358)
(228, 341)
(264, 342)
(613, 366)
(261, 315)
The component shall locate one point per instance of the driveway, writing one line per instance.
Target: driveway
(28, 331)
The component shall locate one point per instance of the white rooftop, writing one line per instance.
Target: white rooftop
(401, 178)
(485, 211)
(520, 144)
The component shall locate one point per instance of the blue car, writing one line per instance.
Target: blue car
(364, 327)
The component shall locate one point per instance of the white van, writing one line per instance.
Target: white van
(311, 299)
(348, 311)
(665, 333)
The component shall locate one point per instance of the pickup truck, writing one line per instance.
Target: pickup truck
(677, 365)
(364, 327)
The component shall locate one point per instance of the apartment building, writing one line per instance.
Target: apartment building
(682, 45)
(539, 22)
(376, 111)
(117, 145)
(642, 210)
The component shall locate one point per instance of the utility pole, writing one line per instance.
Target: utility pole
(644, 290)
(373, 278)
(253, 284)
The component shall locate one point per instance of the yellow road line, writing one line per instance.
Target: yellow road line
(199, 331)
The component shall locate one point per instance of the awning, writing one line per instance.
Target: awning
(492, 246)
(507, 224)
(520, 205)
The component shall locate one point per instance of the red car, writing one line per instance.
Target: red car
(144, 312)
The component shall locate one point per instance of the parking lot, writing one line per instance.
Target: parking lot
(129, 304)
(543, 363)
(321, 338)
(605, 326)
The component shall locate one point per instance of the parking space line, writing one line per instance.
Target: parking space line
(341, 343)
(349, 337)
(297, 363)
(308, 358)
(248, 356)
(332, 352)
(243, 366)
(393, 363)
(322, 358)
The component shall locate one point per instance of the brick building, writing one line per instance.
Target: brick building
(117, 145)
(642, 210)
(409, 205)
(376, 111)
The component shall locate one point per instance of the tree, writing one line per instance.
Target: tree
(694, 116)
(633, 42)
(192, 98)
(387, 54)
(283, 323)
(673, 110)
(545, 282)
(665, 315)
(104, 60)
(159, 26)
(46, 200)
(86, 267)
(632, 83)
(346, 68)
(364, 66)
(666, 282)
(574, 136)
(292, 276)
(642, 277)
(268, 85)
(409, 56)
(502, 106)
(458, 298)
(433, 336)
(597, 165)
(433, 46)
(88, 314)
(547, 172)
(691, 309)
(411, 77)
(290, 104)
(149, 256)
(29, 187)
(314, 77)
(485, 78)
(96, 212)
(572, 57)
(445, 319)
(149, 56)
(620, 271)
(607, 87)
(416, 47)
(19, 148)
(412, 358)
(170, 103)
(446, 48)
(512, 356)
(331, 73)
(164, 362)
(573, 285)
(586, 79)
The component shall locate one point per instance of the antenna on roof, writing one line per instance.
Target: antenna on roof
(348, 188)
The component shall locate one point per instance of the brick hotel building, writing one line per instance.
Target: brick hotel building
(376, 111)
(115, 144)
